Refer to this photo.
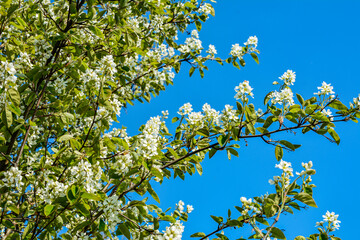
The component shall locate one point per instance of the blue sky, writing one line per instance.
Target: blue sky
(319, 40)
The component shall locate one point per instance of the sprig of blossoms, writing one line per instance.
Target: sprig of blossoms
(287, 171)
(288, 77)
(249, 205)
(332, 219)
(243, 90)
(285, 96)
(252, 43)
(326, 89)
(185, 109)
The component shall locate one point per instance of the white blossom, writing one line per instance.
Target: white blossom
(243, 90)
(288, 77)
(325, 89)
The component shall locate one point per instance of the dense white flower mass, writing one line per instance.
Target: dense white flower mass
(326, 89)
(332, 221)
(212, 51)
(151, 138)
(174, 231)
(288, 77)
(237, 51)
(112, 209)
(243, 90)
(12, 178)
(185, 109)
(252, 42)
(285, 96)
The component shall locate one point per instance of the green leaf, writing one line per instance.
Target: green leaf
(198, 234)
(212, 152)
(276, 233)
(336, 104)
(96, 31)
(48, 209)
(300, 238)
(334, 135)
(124, 230)
(300, 99)
(14, 209)
(65, 137)
(153, 193)
(14, 96)
(191, 71)
(7, 117)
(91, 196)
(217, 219)
(306, 199)
(278, 152)
(255, 57)
(287, 144)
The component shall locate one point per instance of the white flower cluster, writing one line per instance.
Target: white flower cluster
(243, 90)
(249, 205)
(174, 231)
(212, 51)
(180, 207)
(7, 74)
(42, 50)
(211, 114)
(195, 119)
(326, 89)
(287, 171)
(206, 8)
(288, 77)
(107, 65)
(252, 42)
(192, 43)
(237, 51)
(51, 189)
(86, 174)
(185, 109)
(327, 113)
(12, 178)
(356, 102)
(111, 207)
(332, 219)
(151, 138)
(123, 163)
(285, 96)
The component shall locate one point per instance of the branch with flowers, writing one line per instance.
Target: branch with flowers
(68, 69)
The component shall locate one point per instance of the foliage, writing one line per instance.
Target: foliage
(67, 70)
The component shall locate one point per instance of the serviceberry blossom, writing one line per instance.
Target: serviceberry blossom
(285, 96)
(326, 89)
(206, 8)
(12, 178)
(249, 205)
(252, 42)
(327, 113)
(180, 206)
(356, 102)
(151, 139)
(288, 77)
(285, 166)
(332, 219)
(243, 90)
(174, 231)
(287, 172)
(212, 51)
(228, 114)
(185, 109)
(237, 51)
(189, 208)
(111, 207)
(195, 118)
(211, 114)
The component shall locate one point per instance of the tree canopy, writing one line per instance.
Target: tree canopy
(67, 70)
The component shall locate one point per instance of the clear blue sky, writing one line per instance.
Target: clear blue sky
(319, 40)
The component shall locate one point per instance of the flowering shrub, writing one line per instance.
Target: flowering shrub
(68, 68)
